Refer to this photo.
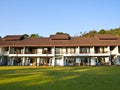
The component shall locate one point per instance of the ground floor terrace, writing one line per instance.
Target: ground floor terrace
(60, 61)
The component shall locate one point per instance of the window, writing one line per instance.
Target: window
(84, 50)
(57, 50)
(47, 51)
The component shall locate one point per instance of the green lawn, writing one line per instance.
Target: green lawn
(60, 78)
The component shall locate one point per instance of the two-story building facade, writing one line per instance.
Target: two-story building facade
(60, 50)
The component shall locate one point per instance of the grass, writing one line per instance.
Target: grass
(60, 78)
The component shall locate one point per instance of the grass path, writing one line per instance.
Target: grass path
(59, 78)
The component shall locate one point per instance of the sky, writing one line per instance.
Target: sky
(46, 17)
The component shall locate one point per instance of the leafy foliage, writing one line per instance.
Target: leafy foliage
(26, 35)
(34, 36)
(92, 33)
(102, 31)
(61, 33)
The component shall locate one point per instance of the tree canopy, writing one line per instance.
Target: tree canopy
(61, 33)
(92, 33)
(34, 36)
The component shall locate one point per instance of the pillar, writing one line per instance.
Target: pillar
(38, 61)
(23, 61)
(53, 61)
(62, 61)
(93, 61)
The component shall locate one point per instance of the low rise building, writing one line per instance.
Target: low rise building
(60, 50)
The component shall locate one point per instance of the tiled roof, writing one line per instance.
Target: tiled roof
(106, 37)
(73, 41)
(12, 37)
(60, 37)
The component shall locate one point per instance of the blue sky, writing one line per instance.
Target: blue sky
(47, 17)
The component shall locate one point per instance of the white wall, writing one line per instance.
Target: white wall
(107, 49)
(53, 61)
(64, 50)
(77, 50)
(106, 59)
(92, 50)
(59, 61)
(53, 50)
(39, 51)
(115, 50)
(38, 61)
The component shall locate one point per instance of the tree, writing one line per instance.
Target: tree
(102, 31)
(115, 32)
(89, 34)
(34, 36)
(26, 36)
(61, 33)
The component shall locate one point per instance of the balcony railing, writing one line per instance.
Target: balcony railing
(16, 52)
(46, 52)
(101, 52)
(30, 52)
(70, 52)
(6, 52)
(84, 52)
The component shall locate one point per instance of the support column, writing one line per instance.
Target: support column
(9, 50)
(23, 50)
(65, 61)
(23, 61)
(38, 61)
(93, 61)
(26, 61)
(88, 61)
(53, 61)
(78, 61)
(0, 60)
(12, 62)
(78, 50)
(92, 51)
(62, 61)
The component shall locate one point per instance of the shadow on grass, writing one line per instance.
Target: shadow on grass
(60, 78)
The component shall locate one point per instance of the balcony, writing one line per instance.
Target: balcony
(6, 52)
(101, 52)
(16, 52)
(84, 52)
(72, 52)
(46, 52)
(31, 52)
